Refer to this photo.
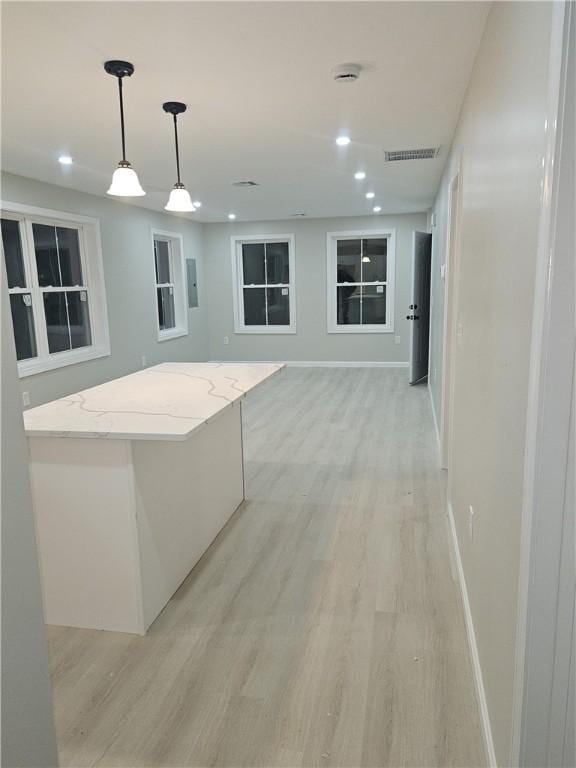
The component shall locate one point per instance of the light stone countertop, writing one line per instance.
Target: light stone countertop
(164, 402)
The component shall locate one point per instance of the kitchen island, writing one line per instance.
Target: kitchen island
(132, 480)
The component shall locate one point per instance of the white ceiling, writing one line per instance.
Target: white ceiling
(262, 103)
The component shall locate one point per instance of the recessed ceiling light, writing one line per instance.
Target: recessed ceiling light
(197, 204)
(370, 195)
(231, 216)
(377, 209)
(359, 175)
(343, 141)
(65, 160)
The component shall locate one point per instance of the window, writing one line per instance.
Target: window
(361, 282)
(263, 269)
(55, 281)
(172, 314)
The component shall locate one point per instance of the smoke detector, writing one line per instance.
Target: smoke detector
(347, 73)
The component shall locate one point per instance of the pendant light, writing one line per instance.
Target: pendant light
(179, 200)
(124, 180)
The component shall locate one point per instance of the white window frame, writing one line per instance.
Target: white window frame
(178, 284)
(332, 279)
(93, 276)
(238, 284)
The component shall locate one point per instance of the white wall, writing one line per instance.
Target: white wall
(311, 341)
(129, 279)
(500, 142)
(28, 737)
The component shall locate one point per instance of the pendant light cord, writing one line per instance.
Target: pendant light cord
(122, 119)
(177, 151)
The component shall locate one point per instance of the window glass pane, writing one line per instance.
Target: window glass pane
(79, 319)
(253, 263)
(373, 305)
(375, 250)
(166, 314)
(278, 306)
(348, 261)
(46, 255)
(254, 306)
(69, 256)
(277, 269)
(13, 253)
(348, 305)
(23, 322)
(162, 255)
(56, 314)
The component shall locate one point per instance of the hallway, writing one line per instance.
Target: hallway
(323, 627)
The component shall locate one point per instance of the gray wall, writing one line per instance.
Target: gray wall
(501, 141)
(311, 341)
(129, 279)
(28, 737)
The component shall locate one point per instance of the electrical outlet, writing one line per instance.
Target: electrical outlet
(397, 339)
(25, 398)
(144, 361)
(471, 522)
(226, 340)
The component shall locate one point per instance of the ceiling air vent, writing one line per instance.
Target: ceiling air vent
(347, 73)
(411, 154)
(244, 183)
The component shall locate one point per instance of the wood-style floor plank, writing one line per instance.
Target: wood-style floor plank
(324, 625)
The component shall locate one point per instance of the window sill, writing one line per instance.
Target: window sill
(360, 329)
(174, 333)
(60, 360)
(266, 329)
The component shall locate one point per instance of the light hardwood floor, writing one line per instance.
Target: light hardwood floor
(322, 628)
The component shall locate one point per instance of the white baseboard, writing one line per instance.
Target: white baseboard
(434, 414)
(323, 363)
(478, 680)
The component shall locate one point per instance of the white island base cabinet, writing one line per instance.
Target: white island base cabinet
(120, 523)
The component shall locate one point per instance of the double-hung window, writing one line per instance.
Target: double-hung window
(360, 272)
(263, 271)
(55, 282)
(172, 314)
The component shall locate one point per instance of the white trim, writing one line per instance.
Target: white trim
(538, 484)
(238, 284)
(473, 646)
(90, 243)
(72, 357)
(324, 363)
(451, 267)
(178, 277)
(434, 413)
(33, 210)
(390, 283)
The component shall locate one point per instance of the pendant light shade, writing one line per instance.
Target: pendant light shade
(179, 200)
(125, 181)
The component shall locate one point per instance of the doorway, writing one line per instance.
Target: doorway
(419, 315)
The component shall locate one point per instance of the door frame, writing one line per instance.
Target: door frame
(451, 271)
(545, 623)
